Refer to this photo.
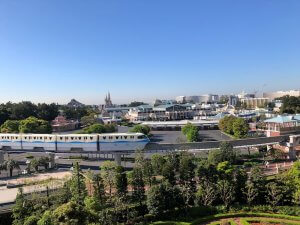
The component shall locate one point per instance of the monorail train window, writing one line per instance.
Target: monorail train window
(79, 138)
(125, 137)
(34, 138)
(50, 138)
(131, 137)
(141, 137)
(91, 138)
(72, 138)
(110, 137)
(85, 138)
(67, 138)
(104, 137)
(25, 138)
(117, 137)
(46, 138)
(41, 138)
(61, 138)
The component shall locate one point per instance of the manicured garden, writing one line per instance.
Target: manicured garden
(238, 219)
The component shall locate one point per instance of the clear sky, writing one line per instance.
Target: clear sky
(55, 50)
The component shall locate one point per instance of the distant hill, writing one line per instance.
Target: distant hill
(75, 104)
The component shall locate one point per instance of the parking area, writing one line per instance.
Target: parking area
(174, 137)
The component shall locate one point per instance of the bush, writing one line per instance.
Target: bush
(140, 129)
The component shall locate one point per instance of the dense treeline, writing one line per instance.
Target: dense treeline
(48, 112)
(160, 188)
(290, 104)
(29, 125)
(26, 117)
(23, 110)
(99, 129)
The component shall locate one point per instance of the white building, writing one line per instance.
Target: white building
(279, 94)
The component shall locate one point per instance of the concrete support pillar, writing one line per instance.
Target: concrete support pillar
(1, 156)
(52, 160)
(118, 159)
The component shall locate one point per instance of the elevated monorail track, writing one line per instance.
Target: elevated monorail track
(195, 146)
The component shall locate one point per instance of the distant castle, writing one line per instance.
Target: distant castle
(108, 102)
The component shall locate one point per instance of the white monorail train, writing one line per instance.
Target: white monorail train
(69, 142)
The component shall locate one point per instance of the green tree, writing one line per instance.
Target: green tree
(226, 124)
(163, 197)
(21, 209)
(226, 192)
(157, 162)
(99, 129)
(251, 192)
(275, 193)
(34, 163)
(4, 113)
(22, 110)
(257, 181)
(290, 105)
(224, 153)
(69, 214)
(108, 173)
(293, 180)
(207, 176)
(206, 193)
(44, 161)
(89, 120)
(11, 164)
(47, 112)
(31, 220)
(77, 186)
(191, 132)
(138, 185)
(240, 128)
(187, 181)
(10, 126)
(144, 129)
(34, 125)
(168, 173)
(46, 219)
(148, 172)
(121, 182)
(99, 190)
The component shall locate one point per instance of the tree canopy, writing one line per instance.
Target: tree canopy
(235, 126)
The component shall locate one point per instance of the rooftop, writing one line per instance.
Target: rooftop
(284, 119)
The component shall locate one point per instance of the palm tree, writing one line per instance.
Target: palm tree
(11, 165)
(44, 161)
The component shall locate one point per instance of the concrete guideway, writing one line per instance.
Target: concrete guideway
(250, 142)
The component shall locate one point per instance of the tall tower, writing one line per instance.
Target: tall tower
(108, 102)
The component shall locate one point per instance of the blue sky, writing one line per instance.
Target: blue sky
(52, 51)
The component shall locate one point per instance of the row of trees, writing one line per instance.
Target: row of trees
(23, 110)
(235, 126)
(29, 125)
(99, 128)
(11, 165)
(48, 112)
